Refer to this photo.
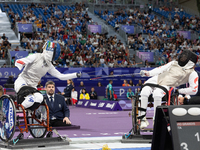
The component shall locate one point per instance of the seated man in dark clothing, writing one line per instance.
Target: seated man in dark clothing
(58, 110)
(6, 42)
(93, 94)
(4, 36)
(86, 16)
(10, 80)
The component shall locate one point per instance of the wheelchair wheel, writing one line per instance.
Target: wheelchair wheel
(38, 131)
(135, 115)
(7, 118)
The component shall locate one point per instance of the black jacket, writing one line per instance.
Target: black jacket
(68, 90)
(60, 109)
(94, 95)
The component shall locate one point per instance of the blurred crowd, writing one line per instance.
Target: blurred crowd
(77, 49)
(68, 28)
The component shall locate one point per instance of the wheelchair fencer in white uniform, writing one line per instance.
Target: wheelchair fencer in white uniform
(35, 67)
(172, 74)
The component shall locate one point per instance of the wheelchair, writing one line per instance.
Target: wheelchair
(169, 99)
(14, 115)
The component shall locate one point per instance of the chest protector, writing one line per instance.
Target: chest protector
(174, 76)
(33, 72)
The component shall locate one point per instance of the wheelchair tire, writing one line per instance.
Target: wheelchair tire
(7, 118)
(135, 115)
(41, 114)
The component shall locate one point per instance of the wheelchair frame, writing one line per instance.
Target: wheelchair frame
(135, 101)
(42, 124)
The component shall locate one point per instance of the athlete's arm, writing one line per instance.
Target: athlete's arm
(20, 63)
(160, 69)
(54, 72)
(193, 82)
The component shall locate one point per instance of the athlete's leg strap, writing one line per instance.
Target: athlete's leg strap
(141, 109)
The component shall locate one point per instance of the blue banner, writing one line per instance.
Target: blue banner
(6, 72)
(128, 29)
(98, 104)
(185, 34)
(95, 28)
(24, 27)
(88, 73)
(146, 56)
(18, 54)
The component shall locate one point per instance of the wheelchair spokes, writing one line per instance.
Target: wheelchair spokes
(37, 123)
(40, 118)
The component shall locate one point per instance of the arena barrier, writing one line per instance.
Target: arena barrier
(99, 104)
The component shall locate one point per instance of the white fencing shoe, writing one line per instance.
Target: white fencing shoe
(144, 123)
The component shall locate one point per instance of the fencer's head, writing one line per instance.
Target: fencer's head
(187, 59)
(51, 51)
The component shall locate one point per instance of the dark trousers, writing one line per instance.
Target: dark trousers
(111, 99)
(194, 100)
(58, 123)
(68, 101)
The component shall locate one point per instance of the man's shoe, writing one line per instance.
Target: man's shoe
(78, 74)
(144, 123)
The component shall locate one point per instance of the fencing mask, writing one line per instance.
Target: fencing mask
(51, 51)
(187, 59)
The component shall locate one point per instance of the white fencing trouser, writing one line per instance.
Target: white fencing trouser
(157, 94)
(30, 99)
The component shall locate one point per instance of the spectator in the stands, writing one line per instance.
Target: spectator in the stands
(131, 41)
(131, 83)
(116, 26)
(115, 96)
(83, 29)
(16, 48)
(84, 95)
(81, 84)
(102, 61)
(1, 40)
(159, 62)
(130, 94)
(86, 16)
(13, 61)
(111, 73)
(4, 66)
(147, 65)
(74, 96)
(6, 42)
(99, 84)
(39, 85)
(67, 91)
(125, 83)
(138, 90)
(10, 80)
(93, 94)
(139, 83)
(4, 36)
(58, 111)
